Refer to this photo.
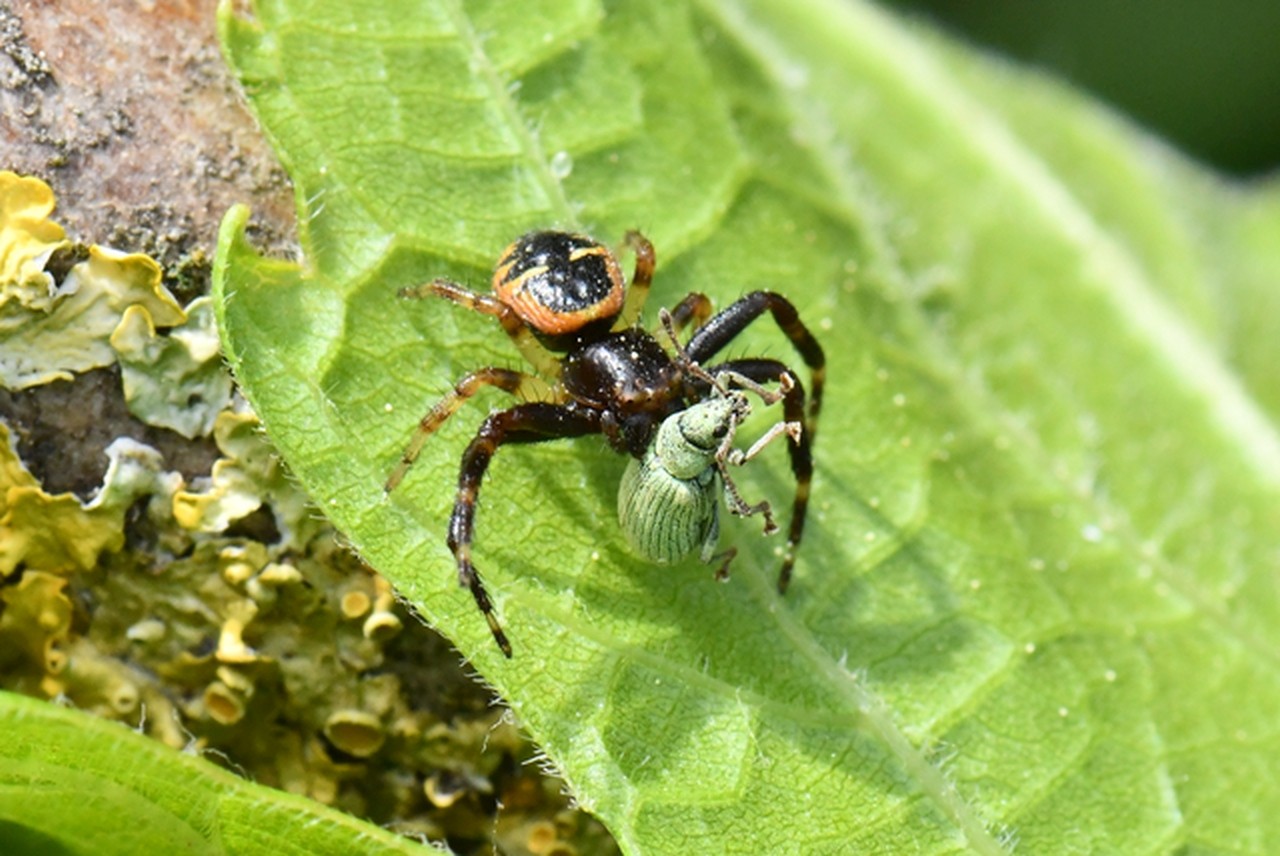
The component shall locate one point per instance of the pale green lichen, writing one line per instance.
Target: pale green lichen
(176, 381)
(71, 334)
(148, 603)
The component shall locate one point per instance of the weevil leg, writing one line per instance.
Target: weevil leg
(740, 507)
(709, 554)
(525, 423)
(725, 454)
(794, 430)
(801, 451)
(712, 337)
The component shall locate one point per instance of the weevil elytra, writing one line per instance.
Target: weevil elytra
(669, 500)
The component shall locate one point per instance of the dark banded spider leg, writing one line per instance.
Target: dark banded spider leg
(641, 278)
(486, 304)
(733, 319)
(517, 383)
(801, 451)
(693, 310)
(525, 423)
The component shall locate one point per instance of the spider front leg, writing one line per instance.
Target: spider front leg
(729, 322)
(518, 383)
(693, 310)
(638, 290)
(530, 348)
(801, 449)
(525, 423)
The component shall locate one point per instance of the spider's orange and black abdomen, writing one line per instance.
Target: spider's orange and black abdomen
(559, 282)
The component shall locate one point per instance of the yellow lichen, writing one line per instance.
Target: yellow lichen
(381, 626)
(154, 604)
(231, 491)
(355, 603)
(248, 475)
(60, 533)
(231, 645)
(382, 623)
(355, 732)
(27, 239)
(100, 684)
(147, 630)
(444, 788)
(35, 619)
(276, 574)
(541, 837)
(223, 704)
(239, 561)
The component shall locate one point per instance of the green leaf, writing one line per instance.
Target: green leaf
(72, 783)
(1037, 602)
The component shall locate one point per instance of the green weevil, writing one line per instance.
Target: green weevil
(669, 500)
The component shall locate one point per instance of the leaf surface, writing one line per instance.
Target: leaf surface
(72, 783)
(1037, 604)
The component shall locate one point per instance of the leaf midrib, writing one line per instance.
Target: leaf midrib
(501, 93)
(870, 707)
(980, 403)
(1163, 331)
(1136, 299)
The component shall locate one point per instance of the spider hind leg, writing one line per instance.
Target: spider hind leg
(534, 422)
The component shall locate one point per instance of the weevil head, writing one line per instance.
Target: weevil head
(689, 442)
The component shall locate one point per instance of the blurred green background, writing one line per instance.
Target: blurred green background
(1203, 75)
